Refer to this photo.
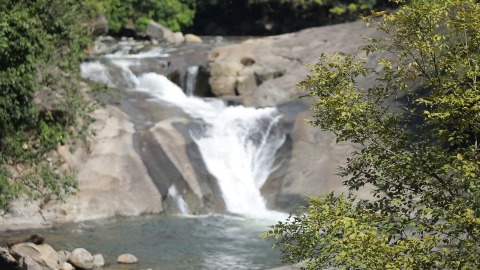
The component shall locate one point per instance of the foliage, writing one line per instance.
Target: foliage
(41, 44)
(251, 16)
(419, 128)
(174, 14)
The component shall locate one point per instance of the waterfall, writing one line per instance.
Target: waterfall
(191, 80)
(238, 144)
(239, 149)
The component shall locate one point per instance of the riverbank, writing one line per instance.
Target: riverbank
(169, 242)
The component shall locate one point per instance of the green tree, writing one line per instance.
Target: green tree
(419, 128)
(174, 14)
(41, 45)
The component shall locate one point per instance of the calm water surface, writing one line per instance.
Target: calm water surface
(159, 242)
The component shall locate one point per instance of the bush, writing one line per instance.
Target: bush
(419, 128)
(174, 14)
(41, 45)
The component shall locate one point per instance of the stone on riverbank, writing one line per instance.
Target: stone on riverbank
(81, 258)
(127, 259)
(27, 263)
(63, 255)
(98, 260)
(43, 254)
(191, 38)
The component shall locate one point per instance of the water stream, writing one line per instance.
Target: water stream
(213, 242)
(238, 146)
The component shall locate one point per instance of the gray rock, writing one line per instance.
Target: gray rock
(176, 37)
(191, 38)
(6, 260)
(98, 260)
(43, 254)
(66, 266)
(99, 25)
(112, 165)
(101, 48)
(81, 258)
(127, 259)
(276, 64)
(63, 255)
(156, 31)
(27, 263)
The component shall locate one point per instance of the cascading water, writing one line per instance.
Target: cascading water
(180, 202)
(191, 80)
(238, 144)
(239, 150)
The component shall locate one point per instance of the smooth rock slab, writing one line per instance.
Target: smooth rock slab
(43, 254)
(127, 259)
(81, 258)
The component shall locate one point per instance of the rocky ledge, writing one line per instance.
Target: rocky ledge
(118, 177)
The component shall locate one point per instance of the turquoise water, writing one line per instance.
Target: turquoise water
(169, 243)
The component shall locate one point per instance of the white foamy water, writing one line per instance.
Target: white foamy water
(97, 72)
(191, 80)
(181, 204)
(238, 144)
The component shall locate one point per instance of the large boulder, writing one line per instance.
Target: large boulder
(158, 32)
(265, 71)
(81, 258)
(112, 179)
(43, 254)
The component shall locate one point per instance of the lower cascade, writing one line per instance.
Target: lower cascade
(238, 144)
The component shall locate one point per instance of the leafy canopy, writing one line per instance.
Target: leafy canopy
(135, 14)
(41, 44)
(419, 129)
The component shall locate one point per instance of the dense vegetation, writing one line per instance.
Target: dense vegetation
(234, 16)
(260, 17)
(135, 14)
(419, 128)
(41, 44)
